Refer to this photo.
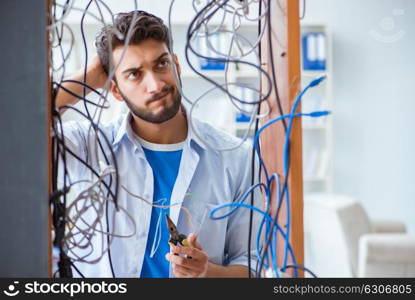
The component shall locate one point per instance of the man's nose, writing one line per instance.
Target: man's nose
(154, 83)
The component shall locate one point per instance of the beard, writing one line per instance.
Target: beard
(162, 116)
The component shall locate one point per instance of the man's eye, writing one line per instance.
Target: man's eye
(132, 75)
(163, 63)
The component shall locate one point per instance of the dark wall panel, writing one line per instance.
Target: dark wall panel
(24, 144)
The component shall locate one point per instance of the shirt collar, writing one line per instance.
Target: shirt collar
(125, 129)
(122, 129)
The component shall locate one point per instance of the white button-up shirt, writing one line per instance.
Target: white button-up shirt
(206, 179)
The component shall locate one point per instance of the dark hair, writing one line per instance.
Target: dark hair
(146, 26)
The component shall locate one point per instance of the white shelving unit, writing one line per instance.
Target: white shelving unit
(317, 132)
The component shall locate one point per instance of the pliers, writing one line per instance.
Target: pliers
(176, 238)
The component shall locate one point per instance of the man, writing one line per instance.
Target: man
(160, 158)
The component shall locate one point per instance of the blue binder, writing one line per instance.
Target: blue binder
(314, 51)
(217, 42)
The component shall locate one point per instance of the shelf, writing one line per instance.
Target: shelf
(186, 23)
(315, 73)
(220, 74)
(211, 73)
(314, 178)
(307, 25)
(243, 126)
(246, 74)
(314, 127)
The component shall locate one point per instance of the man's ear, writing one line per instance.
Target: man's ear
(176, 62)
(116, 91)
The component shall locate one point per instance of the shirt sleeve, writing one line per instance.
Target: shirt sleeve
(74, 137)
(239, 222)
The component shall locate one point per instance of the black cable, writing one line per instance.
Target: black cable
(77, 270)
(296, 266)
(61, 209)
(191, 31)
(188, 46)
(86, 55)
(59, 212)
(95, 127)
(61, 50)
(76, 95)
(61, 149)
(271, 56)
(113, 195)
(109, 191)
(251, 212)
(98, 140)
(285, 185)
(117, 174)
(273, 84)
(304, 10)
(59, 222)
(275, 222)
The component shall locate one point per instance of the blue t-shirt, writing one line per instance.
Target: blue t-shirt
(164, 161)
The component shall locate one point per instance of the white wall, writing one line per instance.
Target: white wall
(373, 114)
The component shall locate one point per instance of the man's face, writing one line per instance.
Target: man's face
(146, 82)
